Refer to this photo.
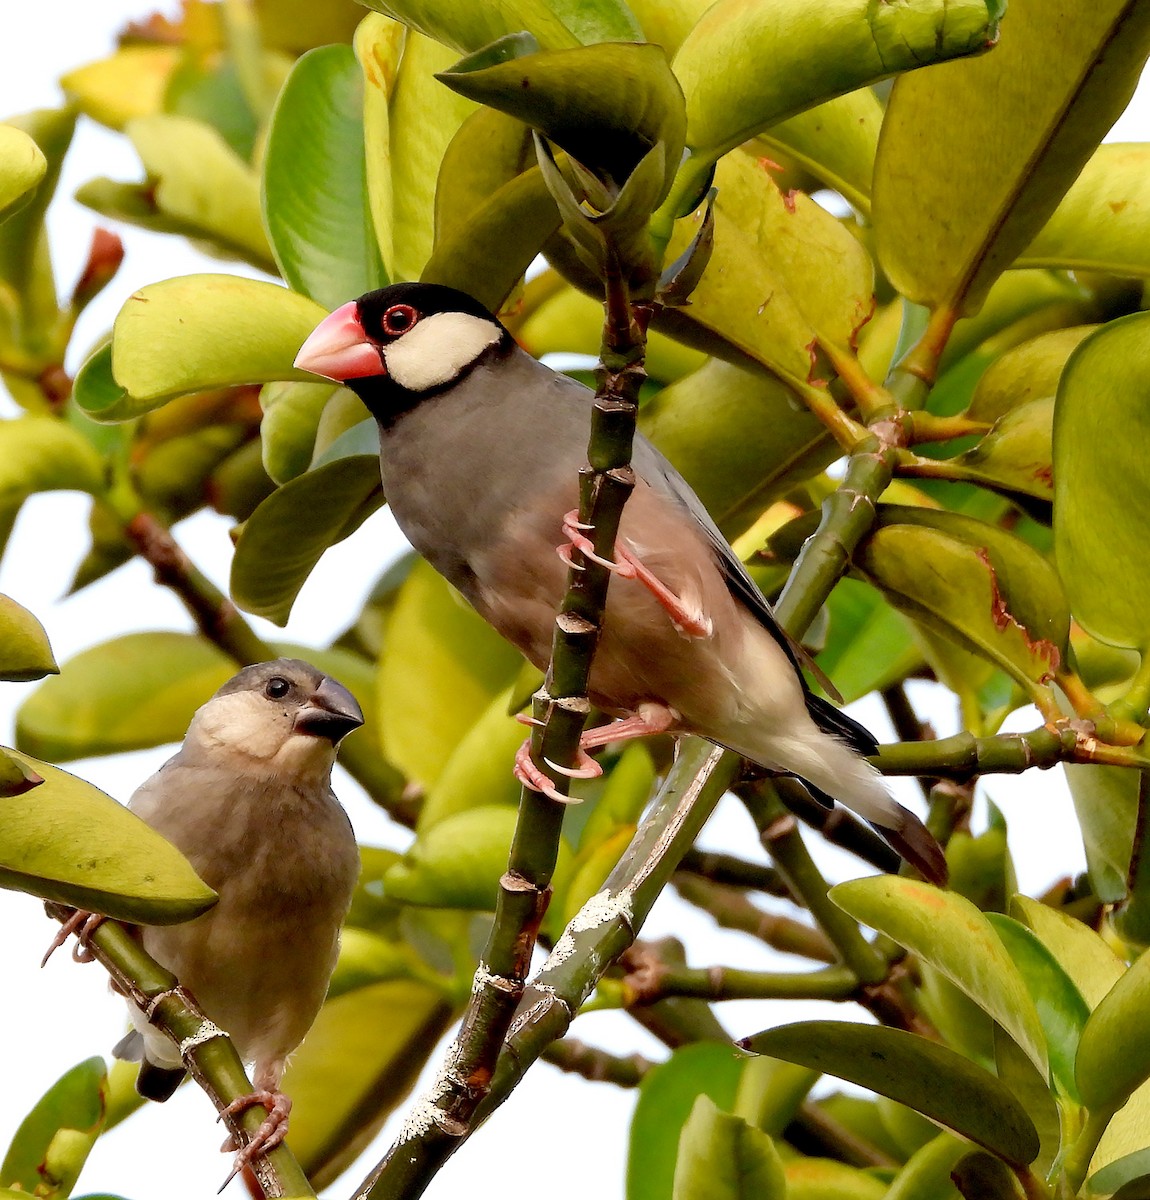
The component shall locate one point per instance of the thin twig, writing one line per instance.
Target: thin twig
(597, 1065)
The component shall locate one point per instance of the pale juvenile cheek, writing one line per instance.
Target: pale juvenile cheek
(242, 723)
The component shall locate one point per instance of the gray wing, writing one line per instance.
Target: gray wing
(660, 472)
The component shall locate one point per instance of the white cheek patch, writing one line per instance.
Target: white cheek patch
(437, 348)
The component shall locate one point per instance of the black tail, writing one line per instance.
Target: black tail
(158, 1083)
(833, 720)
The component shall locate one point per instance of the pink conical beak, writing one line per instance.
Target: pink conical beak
(338, 348)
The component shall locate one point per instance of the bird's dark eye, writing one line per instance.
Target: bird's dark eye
(276, 688)
(399, 318)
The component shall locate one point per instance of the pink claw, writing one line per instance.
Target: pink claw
(83, 924)
(530, 776)
(265, 1139)
(588, 768)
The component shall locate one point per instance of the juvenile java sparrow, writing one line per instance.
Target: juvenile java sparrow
(480, 447)
(248, 800)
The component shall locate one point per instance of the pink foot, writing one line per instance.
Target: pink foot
(531, 776)
(690, 622)
(267, 1137)
(651, 718)
(81, 923)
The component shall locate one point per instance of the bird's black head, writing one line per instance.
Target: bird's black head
(396, 345)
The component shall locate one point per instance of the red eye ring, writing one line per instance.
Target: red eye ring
(399, 318)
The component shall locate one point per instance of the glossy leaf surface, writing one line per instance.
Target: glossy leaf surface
(1041, 101)
(1101, 487)
(924, 1075)
(314, 186)
(67, 841)
(24, 650)
(721, 1157)
(947, 931)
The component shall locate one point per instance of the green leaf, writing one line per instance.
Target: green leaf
(357, 1064)
(1014, 458)
(53, 1141)
(25, 261)
(24, 650)
(1103, 222)
(1028, 372)
(423, 118)
(1082, 954)
(1101, 490)
(979, 1176)
(1128, 1169)
(196, 185)
(488, 257)
(441, 667)
(457, 863)
(42, 454)
(836, 141)
(921, 1074)
(477, 770)
(1106, 803)
(466, 26)
(292, 415)
(22, 166)
(948, 218)
(365, 958)
(814, 54)
(285, 537)
(1060, 1006)
(738, 439)
(826, 1179)
(314, 183)
(721, 1157)
(1034, 1093)
(198, 332)
(68, 841)
(978, 585)
(817, 283)
(869, 645)
(948, 932)
(1114, 1050)
(607, 105)
(666, 1097)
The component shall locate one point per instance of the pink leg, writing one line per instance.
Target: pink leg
(270, 1133)
(687, 621)
(83, 924)
(651, 718)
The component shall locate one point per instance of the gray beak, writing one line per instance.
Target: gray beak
(331, 711)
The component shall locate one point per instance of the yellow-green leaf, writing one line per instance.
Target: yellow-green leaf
(721, 1157)
(24, 650)
(67, 841)
(204, 331)
(1101, 443)
(952, 935)
(129, 83)
(441, 667)
(815, 53)
(1103, 222)
(53, 1141)
(1114, 1049)
(924, 1075)
(22, 166)
(974, 158)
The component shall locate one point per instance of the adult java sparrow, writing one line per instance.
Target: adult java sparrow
(480, 448)
(248, 800)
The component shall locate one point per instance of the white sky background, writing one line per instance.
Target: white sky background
(54, 1018)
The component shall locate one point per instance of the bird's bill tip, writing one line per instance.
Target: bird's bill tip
(338, 349)
(331, 712)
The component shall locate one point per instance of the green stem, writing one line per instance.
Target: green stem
(1135, 704)
(730, 983)
(732, 910)
(779, 832)
(597, 1065)
(729, 871)
(1076, 1163)
(213, 1062)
